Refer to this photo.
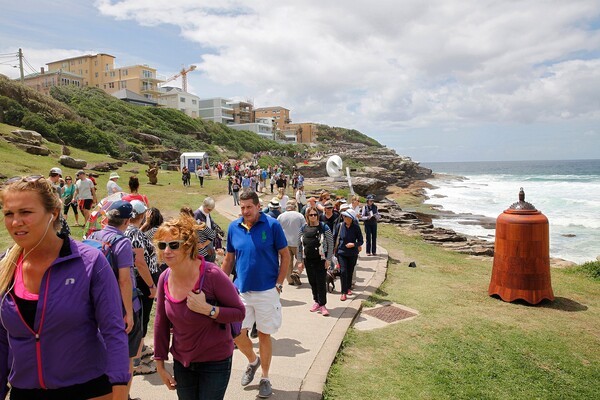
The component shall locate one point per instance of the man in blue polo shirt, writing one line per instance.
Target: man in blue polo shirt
(256, 245)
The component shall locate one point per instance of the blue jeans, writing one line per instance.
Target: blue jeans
(371, 234)
(202, 380)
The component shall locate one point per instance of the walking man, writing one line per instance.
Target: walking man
(291, 221)
(85, 194)
(257, 246)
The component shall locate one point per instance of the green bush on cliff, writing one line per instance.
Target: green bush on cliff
(11, 112)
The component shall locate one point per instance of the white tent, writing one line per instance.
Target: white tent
(192, 160)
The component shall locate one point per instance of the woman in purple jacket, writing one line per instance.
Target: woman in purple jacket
(199, 302)
(62, 335)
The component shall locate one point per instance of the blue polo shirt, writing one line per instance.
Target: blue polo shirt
(256, 252)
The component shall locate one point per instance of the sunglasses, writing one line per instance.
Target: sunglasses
(68, 179)
(173, 245)
(30, 178)
(312, 215)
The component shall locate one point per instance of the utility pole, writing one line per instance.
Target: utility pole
(21, 66)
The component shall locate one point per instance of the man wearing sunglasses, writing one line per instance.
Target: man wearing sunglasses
(257, 246)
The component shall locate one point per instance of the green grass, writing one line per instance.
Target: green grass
(465, 344)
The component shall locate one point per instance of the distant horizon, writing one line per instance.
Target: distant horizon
(502, 161)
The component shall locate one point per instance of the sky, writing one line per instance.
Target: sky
(437, 80)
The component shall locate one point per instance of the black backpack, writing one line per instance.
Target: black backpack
(312, 238)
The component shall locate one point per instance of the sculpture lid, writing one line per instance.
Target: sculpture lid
(521, 206)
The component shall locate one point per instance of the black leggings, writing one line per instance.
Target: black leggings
(70, 205)
(317, 277)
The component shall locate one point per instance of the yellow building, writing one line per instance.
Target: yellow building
(99, 71)
(280, 115)
(306, 132)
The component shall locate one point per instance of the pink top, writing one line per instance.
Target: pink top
(20, 289)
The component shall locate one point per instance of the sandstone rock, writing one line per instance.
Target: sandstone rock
(167, 155)
(70, 162)
(364, 186)
(32, 136)
(106, 166)
(66, 151)
(31, 149)
(146, 137)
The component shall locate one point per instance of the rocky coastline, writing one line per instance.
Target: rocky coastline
(382, 172)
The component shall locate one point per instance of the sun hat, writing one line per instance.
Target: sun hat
(138, 207)
(348, 214)
(274, 203)
(344, 207)
(114, 175)
(124, 208)
(56, 170)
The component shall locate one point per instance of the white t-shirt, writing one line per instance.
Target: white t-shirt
(84, 189)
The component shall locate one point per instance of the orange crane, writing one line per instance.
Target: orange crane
(183, 74)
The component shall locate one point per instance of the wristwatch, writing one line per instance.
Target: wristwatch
(212, 312)
(279, 286)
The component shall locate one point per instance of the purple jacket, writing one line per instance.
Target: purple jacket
(78, 322)
(197, 337)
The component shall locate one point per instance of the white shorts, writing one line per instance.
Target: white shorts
(264, 308)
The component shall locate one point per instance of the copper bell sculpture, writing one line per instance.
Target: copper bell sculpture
(522, 255)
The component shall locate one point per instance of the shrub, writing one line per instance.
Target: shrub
(11, 112)
(36, 123)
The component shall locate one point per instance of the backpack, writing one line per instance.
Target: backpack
(312, 240)
(106, 249)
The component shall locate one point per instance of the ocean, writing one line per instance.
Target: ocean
(565, 191)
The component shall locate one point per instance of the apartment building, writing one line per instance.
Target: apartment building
(174, 97)
(243, 112)
(99, 71)
(280, 115)
(42, 81)
(306, 132)
(216, 109)
(263, 127)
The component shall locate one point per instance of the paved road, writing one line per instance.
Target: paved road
(305, 346)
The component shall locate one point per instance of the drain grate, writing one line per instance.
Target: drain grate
(389, 314)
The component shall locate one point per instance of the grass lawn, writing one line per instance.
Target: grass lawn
(465, 344)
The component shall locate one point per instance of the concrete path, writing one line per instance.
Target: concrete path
(305, 346)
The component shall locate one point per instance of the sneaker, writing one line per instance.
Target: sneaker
(264, 388)
(368, 254)
(144, 369)
(349, 292)
(314, 307)
(344, 297)
(324, 311)
(250, 371)
(147, 351)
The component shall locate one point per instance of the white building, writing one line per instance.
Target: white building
(216, 109)
(174, 97)
(263, 127)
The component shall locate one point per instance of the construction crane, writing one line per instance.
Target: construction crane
(183, 74)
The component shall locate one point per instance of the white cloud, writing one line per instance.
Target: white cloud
(395, 63)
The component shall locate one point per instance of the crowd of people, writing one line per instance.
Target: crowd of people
(85, 309)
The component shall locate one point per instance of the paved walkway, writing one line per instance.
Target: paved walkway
(305, 346)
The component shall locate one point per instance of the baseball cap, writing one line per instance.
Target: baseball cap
(124, 208)
(370, 197)
(328, 204)
(80, 172)
(138, 207)
(56, 170)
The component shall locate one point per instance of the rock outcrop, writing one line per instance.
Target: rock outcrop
(70, 162)
(29, 141)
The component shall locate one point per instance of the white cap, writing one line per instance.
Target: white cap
(138, 207)
(56, 170)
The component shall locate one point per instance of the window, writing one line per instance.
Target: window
(112, 74)
(96, 63)
(96, 75)
(147, 74)
(194, 102)
(111, 85)
(123, 84)
(125, 72)
(182, 99)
